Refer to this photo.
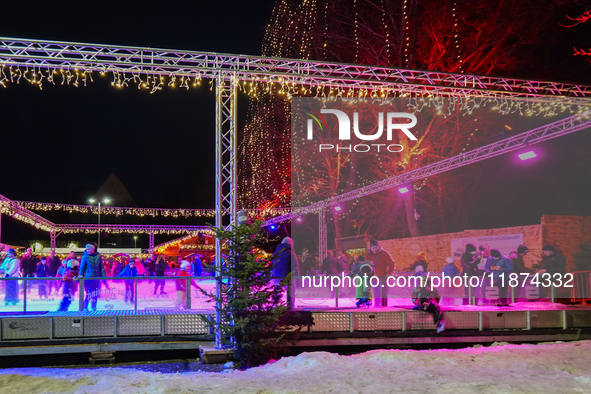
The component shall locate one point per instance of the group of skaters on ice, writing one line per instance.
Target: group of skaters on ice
(90, 265)
(378, 262)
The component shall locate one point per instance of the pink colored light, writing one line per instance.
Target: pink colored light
(403, 190)
(337, 208)
(527, 155)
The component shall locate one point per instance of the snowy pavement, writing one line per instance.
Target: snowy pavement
(544, 368)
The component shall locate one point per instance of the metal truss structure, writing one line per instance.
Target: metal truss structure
(42, 58)
(42, 54)
(322, 235)
(12, 208)
(225, 173)
(130, 228)
(540, 134)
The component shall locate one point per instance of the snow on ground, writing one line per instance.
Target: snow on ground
(501, 368)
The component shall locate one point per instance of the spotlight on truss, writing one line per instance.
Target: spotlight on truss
(527, 155)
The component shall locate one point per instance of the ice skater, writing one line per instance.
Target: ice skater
(69, 287)
(426, 298)
(129, 271)
(364, 270)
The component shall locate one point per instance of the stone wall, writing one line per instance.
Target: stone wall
(438, 247)
(564, 232)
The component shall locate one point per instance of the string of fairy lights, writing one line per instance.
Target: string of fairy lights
(456, 33)
(289, 34)
(182, 213)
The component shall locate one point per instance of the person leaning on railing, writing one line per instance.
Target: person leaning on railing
(10, 267)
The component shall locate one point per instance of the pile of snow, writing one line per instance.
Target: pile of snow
(544, 368)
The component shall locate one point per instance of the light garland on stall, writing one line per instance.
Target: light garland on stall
(146, 230)
(197, 247)
(141, 212)
(176, 242)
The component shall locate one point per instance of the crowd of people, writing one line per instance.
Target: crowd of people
(90, 266)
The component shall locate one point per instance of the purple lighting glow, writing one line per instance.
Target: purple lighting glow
(527, 155)
(403, 190)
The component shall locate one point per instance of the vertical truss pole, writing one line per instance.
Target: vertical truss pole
(52, 236)
(151, 245)
(322, 237)
(225, 176)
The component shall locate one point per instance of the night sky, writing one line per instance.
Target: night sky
(62, 140)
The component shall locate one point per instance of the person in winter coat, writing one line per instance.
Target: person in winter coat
(117, 268)
(196, 266)
(129, 271)
(62, 270)
(149, 264)
(426, 298)
(11, 267)
(331, 264)
(69, 286)
(363, 294)
(139, 266)
(421, 260)
(42, 271)
(384, 265)
(450, 269)
(91, 266)
(181, 284)
(499, 265)
(29, 264)
(469, 263)
(517, 261)
(285, 259)
(553, 261)
(159, 268)
(54, 264)
(343, 262)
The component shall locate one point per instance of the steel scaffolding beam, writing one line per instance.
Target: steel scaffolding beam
(43, 54)
(151, 245)
(131, 228)
(540, 134)
(322, 235)
(14, 210)
(225, 192)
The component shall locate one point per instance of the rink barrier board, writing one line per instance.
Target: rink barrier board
(460, 320)
(124, 324)
(404, 342)
(158, 323)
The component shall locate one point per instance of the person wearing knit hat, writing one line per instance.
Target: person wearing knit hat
(517, 260)
(499, 266)
(553, 260)
(450, 269)
(10, 268)
(470, 248)
(469, 263)
(383, 264)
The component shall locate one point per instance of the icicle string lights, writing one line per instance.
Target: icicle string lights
(153, 212)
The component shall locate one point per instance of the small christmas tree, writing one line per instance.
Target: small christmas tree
(251, 305)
